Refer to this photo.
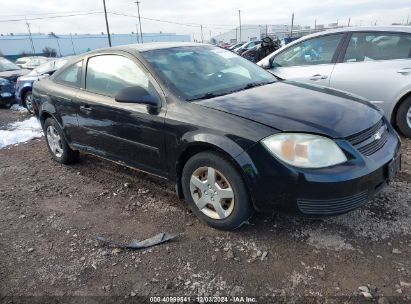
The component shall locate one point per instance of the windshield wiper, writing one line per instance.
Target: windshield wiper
(246, 87)
(208, 96)
(255, 84)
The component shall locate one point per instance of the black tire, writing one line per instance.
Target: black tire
(242, 209)
(27, 103)
(401, 118)
(67, 155)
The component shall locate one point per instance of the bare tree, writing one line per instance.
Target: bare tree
(49, 52)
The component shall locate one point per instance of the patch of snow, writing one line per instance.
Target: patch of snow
(324, 240)
(18, 108)
(20, 131)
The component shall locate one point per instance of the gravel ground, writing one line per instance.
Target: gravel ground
(51, 215)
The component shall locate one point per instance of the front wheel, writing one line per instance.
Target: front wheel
(28, 102)
(57, 144)
(215, 191)
(404, 117)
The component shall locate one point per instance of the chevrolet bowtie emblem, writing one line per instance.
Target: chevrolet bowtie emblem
(377, 136)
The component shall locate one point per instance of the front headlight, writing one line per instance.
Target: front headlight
(305, 150)
(4, 81)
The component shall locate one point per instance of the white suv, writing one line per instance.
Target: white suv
(374, 62)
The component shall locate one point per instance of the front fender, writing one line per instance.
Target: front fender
(196, 141)
(219, 141)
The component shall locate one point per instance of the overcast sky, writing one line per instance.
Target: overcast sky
(215, 15)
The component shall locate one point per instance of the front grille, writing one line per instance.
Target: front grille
(332, 206)
(370, 140)
(9, 88)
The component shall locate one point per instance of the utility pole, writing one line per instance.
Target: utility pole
(349, 21)
(292, 24)
(31, 38)
(58, 44)
(202, 37)
(337, 22)
(266, 30)
(138, 39)
(315, 25)
(72, 44)
(236, 35)
(239, 20)
(210, 36)
(139, 20)
(108, 30)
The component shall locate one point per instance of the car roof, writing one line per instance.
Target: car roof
(142, 47)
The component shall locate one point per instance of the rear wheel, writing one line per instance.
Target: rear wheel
(215, 191)
(57, 144)
(28, 102)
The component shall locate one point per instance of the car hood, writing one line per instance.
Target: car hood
(296, 107)
(12, 75)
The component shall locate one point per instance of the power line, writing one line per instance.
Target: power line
(50, 17)
(39, 14)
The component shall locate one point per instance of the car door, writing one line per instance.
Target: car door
(375, 65)
(124, 132)
(63, 95)
(311, 60)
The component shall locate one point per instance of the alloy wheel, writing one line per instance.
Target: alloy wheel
(54, 141)
(29, 102)
(212, 193)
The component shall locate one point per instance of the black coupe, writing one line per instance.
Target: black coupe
(232, 137)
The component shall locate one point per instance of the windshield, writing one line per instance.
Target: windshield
(49, 66)
(201, 72)
(6, 65)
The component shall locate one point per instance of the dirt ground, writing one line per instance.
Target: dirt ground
(51, 215)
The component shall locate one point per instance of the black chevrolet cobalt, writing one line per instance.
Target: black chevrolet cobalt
(232, 137)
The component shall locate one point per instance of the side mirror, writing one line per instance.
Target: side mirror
(137, 94)
(266, 64)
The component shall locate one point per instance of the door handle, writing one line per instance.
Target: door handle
(85, 108)
(404, 71)
(318, 77)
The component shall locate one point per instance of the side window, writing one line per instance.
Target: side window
(108, 74)
(310, 52)
(71, 75)
(378, 46)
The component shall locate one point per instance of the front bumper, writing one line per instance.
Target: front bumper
(275, 185)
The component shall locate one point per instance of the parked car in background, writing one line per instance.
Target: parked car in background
(246, 46)
(231, 137)
(374, 62)
(31, 62)
(235, 46)
(259, 51)
(24, 83)
(8, 76)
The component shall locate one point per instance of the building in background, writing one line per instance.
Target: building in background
(256, 32)
(13, 46)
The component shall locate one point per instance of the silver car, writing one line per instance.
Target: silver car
(373, 62)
